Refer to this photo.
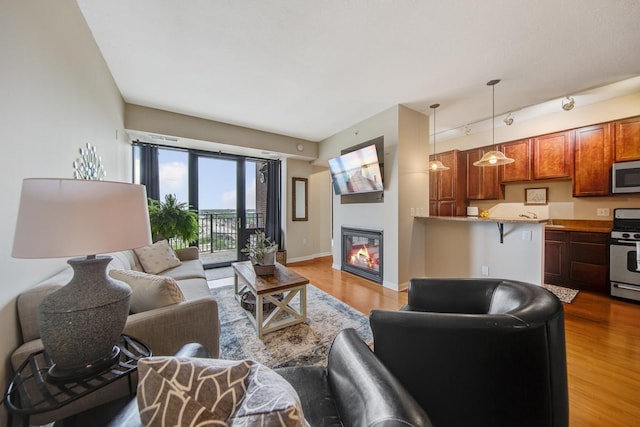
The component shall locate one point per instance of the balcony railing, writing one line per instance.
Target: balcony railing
(218, 232)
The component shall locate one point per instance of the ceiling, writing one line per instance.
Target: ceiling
(310, 69)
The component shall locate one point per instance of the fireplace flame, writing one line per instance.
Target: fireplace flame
(362, 257)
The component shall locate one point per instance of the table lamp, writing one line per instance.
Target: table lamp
(81, 322)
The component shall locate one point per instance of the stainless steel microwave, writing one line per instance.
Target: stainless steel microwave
(625, 177)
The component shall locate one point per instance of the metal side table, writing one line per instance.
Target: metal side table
(29, 393)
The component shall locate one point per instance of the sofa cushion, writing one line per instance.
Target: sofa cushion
(157, 257)
(149, 291)
(124, 260)
(189, 391)
(187, 270)
(194, 288)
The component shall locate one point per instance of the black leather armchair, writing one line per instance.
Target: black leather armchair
(355, 389)
(478, 352)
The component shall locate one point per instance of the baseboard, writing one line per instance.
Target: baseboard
(308, 257)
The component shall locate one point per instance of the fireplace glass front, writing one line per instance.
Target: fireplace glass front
(362, 253)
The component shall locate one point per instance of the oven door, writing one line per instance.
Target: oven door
(623, 269)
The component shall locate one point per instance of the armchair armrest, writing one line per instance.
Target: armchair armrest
(187, 254)
(167, 329)
(366, 392)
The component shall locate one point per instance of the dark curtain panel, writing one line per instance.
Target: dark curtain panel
(273, 228)
(149, 173)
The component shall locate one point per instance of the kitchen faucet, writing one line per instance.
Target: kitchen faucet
(533, 215)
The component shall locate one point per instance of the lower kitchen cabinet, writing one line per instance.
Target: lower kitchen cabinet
(577, 259)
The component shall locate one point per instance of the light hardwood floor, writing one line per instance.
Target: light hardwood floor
(602, 339)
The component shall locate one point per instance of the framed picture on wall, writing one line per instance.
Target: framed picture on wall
(536, 196)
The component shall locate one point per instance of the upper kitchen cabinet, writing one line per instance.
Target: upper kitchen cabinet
(627, 139)
(521, 168)
(593, 156)
(482, 182)
(447, 189)
(552, 155)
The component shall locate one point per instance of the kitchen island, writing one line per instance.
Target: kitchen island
(509, 248)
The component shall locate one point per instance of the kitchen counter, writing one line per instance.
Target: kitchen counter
(490, 219)
(500, 222)
(587, 225)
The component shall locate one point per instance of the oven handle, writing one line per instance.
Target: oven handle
(627, 287)
(623, 242)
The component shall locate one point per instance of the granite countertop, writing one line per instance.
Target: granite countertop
(490, 219)
(588, 225)
(593, 226)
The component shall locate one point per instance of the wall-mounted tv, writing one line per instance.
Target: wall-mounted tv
(356, 172)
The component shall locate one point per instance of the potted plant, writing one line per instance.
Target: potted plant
(172, 219)
(261, 252)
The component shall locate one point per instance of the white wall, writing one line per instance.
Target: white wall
(379, 216)
(298, 234)
(413, 179)
(57, 95)
(320, 197)
(460, 249)
(162, 122)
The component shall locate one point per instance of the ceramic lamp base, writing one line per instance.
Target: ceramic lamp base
(81, 322)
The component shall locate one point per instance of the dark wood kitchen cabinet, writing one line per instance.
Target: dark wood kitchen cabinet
(447, 188)
(556, 261)
(483, 183)
(521, 168)
(627, 139)
(553, 155)
(577, 259)
(593, 156)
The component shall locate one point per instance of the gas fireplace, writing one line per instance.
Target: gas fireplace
(362, 252)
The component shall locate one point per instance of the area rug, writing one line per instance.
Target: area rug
(564, 294)
(303, 344)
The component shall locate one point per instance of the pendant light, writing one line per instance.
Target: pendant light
(494, 157)
(435, 165)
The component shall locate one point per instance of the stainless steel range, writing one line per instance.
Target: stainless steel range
(624, 254)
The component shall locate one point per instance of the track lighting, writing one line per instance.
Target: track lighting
(568, 103)
(508, 120)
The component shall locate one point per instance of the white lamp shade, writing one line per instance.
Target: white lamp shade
(493, 158)
(70, 217)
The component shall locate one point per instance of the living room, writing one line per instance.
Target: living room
(59, 95)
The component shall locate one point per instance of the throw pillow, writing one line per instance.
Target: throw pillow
(157, 257)
(149, 291)
(269, 401)
(183, 391)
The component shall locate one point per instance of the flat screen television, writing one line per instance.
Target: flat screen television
(356, 172)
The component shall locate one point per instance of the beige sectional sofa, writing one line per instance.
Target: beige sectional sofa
(165, 329)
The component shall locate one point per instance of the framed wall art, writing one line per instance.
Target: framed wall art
(536, 196)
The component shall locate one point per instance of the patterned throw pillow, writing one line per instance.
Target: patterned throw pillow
(175, 391)
(157, 257)
(269, 401)
(149, 291)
